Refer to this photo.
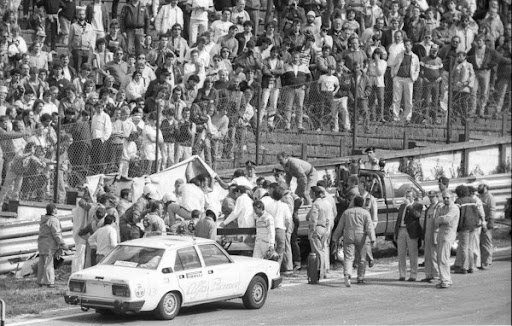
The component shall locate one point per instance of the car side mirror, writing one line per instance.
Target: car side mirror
(167, 270)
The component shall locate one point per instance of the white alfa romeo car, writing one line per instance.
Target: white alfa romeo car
(164, 273)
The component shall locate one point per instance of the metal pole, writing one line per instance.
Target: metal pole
(354, 131)
(57, 166)
(449, 107)
(258, 126)
(157, 136)
(2, 312)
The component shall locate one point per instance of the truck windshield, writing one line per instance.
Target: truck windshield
(403, 183)
(135, 257)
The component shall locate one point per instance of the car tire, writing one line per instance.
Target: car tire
(169, 306)
(256, 293)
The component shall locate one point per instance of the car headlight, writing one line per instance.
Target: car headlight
(77, 286)
(120, 290)
(139, 291)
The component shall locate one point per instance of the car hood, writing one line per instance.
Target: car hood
(111, 273)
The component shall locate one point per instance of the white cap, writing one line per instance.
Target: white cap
(311, 13)
(150, 191)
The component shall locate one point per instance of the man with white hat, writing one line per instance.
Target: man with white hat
(311, 26)
(82, 38)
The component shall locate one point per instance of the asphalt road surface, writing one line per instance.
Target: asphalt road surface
(480, 298)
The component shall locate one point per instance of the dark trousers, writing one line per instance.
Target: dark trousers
(113, 156)
(51, 33)
(79, 154)
(377, 113)
(431, 96)
(115, 4)
(78, 57)
(295, 244)
(97, 156)
(461, 106)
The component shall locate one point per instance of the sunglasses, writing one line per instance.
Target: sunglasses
(446, 197)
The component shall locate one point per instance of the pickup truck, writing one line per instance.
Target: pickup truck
(389, 191)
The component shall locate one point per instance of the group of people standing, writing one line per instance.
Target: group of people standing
(463, 215)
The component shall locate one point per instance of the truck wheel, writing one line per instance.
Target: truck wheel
(169, 306)
(256, 293)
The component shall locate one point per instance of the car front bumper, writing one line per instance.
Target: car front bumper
(116, 305)
(276, 282)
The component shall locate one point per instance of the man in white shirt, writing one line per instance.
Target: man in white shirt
(221, 27)
(198, 18)
(168, 15)
(101, 129)
(192, 198)
(282, 216)
(105, 238)
(243, 211)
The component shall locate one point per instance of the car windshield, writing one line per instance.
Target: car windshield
(133, 256)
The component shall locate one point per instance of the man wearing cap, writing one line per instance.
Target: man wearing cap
(292, 12)
(81, 40)
(373, 161)
(430, 235)
(134, 22)
(447, 221)
(489, 203)
(303, 171)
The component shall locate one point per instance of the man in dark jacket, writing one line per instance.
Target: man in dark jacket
(134, 22)
(470, 220)
(407, 232)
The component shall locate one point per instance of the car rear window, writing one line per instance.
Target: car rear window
(186, 258)
(133, 256)
(212, 255)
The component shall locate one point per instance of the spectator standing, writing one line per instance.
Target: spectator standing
(134, 23)
(447, 221)
(168, 15)
(431, 234)
(463, 81)
(376, 70)
(101, 129)
(49, 244)
(356, 228)
(198, 18)
(295, 76)
(405, 70)
(486, 246)
(97, 15)
(407, 232)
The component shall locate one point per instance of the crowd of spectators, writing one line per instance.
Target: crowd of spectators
(131, 87)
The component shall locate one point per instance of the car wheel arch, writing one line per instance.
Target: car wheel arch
(264, 276)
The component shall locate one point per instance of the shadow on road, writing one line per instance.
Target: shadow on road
(395, 283)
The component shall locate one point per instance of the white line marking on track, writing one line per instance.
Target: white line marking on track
(42, 320)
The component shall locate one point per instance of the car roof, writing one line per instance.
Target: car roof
(167, 241)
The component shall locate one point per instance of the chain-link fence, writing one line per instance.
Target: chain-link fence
(221, 126)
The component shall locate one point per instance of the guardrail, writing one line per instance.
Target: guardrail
(18, 241)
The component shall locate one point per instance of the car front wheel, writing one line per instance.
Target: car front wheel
(256, 293)
(169, 306)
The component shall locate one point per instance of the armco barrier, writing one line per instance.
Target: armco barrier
(19, 240)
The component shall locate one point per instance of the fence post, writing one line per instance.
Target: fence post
(157, 136)
(503, 123)
(304, 151)
(449, 106)
(57, 166)
(258, 127)
(354, 131)
(405, 139)
(2, 312)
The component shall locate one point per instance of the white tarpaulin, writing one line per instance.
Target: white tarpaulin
(164, 181)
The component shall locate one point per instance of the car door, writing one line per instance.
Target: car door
(223, 274)
(192, 279)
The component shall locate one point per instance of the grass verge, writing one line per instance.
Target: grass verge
(24, 296)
